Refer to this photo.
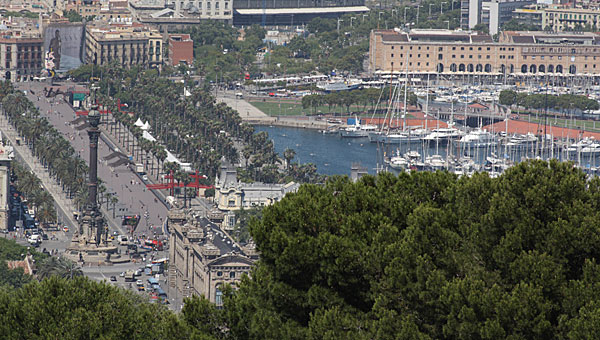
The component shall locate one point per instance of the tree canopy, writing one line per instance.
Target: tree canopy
(428, 256)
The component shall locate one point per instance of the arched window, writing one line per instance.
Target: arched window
(479, 68)
(524, 68)
(488, 68)
(218, 297)
(512, 68)
(470, 68)
(532, 68)
(453, 68)
(559, 69)
(572, 69)
(440, 68)
(542, 68)
(550, 68)
(461, 68)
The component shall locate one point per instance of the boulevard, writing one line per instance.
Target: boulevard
(126, 184)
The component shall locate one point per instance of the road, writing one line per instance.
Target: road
(126, 184)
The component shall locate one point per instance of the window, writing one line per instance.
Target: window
(453, 48)
(219, 273)
(440, 56)
(216, 5)
(462, 48)
(470, 48)
(232, 275)
(419, 55)
(488, 48)
(392, 55)
(440, 49)
(392, 46)
(218, 297)
(478, 48)
(427, 55)
(454, 56)
(462, 56)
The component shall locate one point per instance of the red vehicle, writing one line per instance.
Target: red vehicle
(247, 76)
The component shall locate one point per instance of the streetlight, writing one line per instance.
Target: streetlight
(442, 6)
(405, 8)
(363, 16)
(430, 8)
(418, 8)
(379, 17)
(351, 18)
(338, 25)
(394, 13)
(447, 21)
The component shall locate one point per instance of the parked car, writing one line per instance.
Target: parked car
(113, 278)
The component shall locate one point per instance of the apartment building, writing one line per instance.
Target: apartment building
(127, 43)
(447, 52)
(21, 49)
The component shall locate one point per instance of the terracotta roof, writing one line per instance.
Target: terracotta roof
(20, 264)
(477, 106)
(521, 127)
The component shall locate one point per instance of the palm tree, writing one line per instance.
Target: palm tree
(114, 200)
(58, 266)
(288, 154)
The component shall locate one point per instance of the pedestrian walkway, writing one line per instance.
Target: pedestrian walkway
(22, 152)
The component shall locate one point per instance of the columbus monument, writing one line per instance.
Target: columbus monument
(90, 243)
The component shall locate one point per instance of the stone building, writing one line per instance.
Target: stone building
(128, 43)
(203, 258)
(230, 194)
(444, 52)
(6, 157)
(21, 48)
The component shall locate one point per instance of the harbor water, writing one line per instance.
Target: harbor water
(334, 155)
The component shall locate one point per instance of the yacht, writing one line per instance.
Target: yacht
(357, 130)
(521, 140)
(443, 135)
(478, 138)
(398, 162)
(398, 137)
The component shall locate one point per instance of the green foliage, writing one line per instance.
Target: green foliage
(30, 187)
(561, 102)
(243, 218)
(430, 256)
(514, 25)
(73, 16)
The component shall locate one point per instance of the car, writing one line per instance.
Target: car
(44, 236)
(139, 282)
(66, 229)
(145, 178)
(122, 274)
(113, 278)
(138, 273)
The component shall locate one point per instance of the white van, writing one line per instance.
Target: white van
(123, 241)
(35, 240)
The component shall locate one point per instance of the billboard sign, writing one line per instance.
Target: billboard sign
(65, 42)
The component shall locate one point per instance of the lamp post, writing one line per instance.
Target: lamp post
(430, 8)
(394, 13)
(363, 16)
(405, 8)
(338, 25)
(351, 18)
(418, 8)
(442, 6)
(448, 22)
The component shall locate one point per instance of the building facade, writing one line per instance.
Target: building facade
(232, 195)
(181, 49)
(20, 56)
(203, 258)
(569, 19)
(128, 43)
(443, 52)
